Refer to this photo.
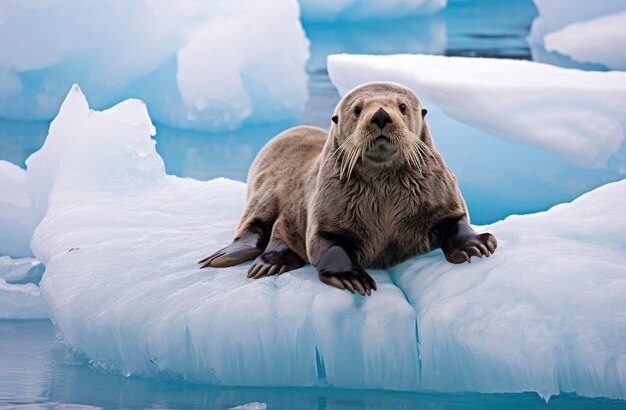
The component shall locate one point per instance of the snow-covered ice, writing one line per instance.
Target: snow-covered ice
(601, 40)
(547, 313)
(576, 114)
(328, 10)
(120, 241)
(17, 218)
(217, 64)
(556, 14)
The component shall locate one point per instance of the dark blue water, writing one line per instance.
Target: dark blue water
(496, 177)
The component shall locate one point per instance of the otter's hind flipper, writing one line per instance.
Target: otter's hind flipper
(276, 259)
(247, 247)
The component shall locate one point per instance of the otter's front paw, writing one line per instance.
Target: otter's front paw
(354, 280)
(461, 248)
(337, 269)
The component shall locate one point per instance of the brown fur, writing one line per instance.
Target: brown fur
(297, 188)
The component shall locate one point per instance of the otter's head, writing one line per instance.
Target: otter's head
(379, 125)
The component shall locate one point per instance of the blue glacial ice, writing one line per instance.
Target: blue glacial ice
(358, 10)
(216, 66)
(120, 240)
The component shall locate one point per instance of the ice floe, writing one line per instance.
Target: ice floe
(120, 241)
(576, 114)
(601, 40)
(216, 64)
(556, 14)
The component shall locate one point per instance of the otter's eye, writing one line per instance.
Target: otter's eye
(402, 108)
(357, 111)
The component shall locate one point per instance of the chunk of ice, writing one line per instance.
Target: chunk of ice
(556, 14)
(601, 40)
(216, 64)
(20, 271)
(544, 314)
(120, 241)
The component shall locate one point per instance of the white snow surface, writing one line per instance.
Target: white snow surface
(577, 114)
(556, 14)
(217, 63)
(17, 218)
(601, 40)
(353, 10)
(544, 314)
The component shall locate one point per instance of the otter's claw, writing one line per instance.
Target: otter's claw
(356, 280)
(461, 248)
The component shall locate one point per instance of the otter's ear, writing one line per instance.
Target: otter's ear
(424, 112)
(335, 119)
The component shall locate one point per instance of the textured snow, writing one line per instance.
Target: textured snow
(216, 64)
(601, 40)
(547, 313)
(325, 10)
(544, 314)
(556, 14)
(576, 114)
(19, 295)
(17, 218)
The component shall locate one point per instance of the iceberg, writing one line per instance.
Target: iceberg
(17, 217)
(576, 114)
(355, 10)
(120, 240)
(601, 40)
(556, 14)
(217, 64)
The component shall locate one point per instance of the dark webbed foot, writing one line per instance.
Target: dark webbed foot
(462, 247)
(247, 247)
(275, 260)
(337, 269)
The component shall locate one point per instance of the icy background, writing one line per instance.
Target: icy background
(120, 229)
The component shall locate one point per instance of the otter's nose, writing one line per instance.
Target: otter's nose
(381, 118)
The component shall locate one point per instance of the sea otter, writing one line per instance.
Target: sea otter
(370, 193)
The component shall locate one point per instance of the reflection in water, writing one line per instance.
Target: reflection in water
(39, 372)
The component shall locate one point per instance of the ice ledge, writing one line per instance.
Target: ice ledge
(120, 240)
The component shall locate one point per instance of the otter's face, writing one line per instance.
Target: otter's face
(379, 124)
